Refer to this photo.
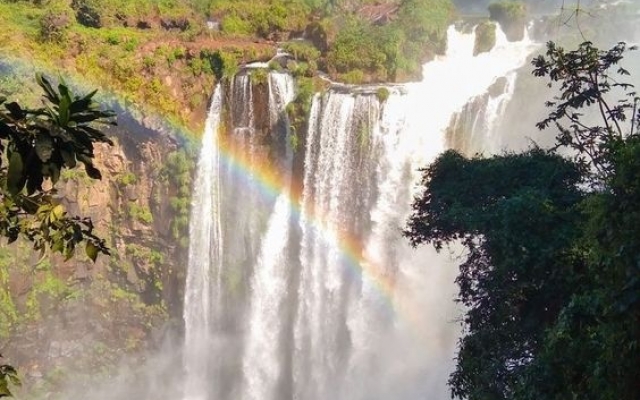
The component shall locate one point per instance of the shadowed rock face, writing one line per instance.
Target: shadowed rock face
(72, 317)
(512, 17)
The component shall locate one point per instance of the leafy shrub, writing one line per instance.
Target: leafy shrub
(235, 25)
(353, 77)
(302, 50)
(303, 69)
(140, 213)
(298, 110)
(196, 65)
(382, 94)
(126, 179)
(131, 44)
(224, 64)
(260, 76)
(267, 19)
(113, 38)
(398, 48)
(275, 66)
(354, 47)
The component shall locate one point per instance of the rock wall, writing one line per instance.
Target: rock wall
(75, 319)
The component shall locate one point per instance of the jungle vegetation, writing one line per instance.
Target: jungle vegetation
(163, 54)
(551, 277)
(37, 145)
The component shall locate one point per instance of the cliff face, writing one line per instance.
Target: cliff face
(60, 319)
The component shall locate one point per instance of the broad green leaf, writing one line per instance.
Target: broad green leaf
(44, 210)
(4, 387)
(15, 110)
(83, 103)
(64, 90)
(16, 177)
(92, 251)
(58, 246)
(46, 86)
(92, 171)
(63, 110)
(57, 213)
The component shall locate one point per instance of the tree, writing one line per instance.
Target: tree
(506, 211)
(36, 145)
(551, 279)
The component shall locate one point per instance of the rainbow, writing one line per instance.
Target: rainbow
(272, 183)
(260, 171)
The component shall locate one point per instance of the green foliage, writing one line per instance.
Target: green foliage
(354, 76)
(127, 178)
(586, 84)
(140, 213)
(302, 50)
(274, 66)
(382, 94)
(113, 38)
(236, 26)
(398, 48)
(425, 21)
(224, 63)
(196, 65)
(593, 347)
(550, 283)
(47, 290)
(145, 254)
(298, 110)
(39, 144)
(267, 19)
(481, 202)
(356, 47)
(260, 76)
(177, 171)
(8, 377)
(108, 13)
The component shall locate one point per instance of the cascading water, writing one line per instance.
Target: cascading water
(203, 284)
(472, 129)
(336, 199)
(269, 285)
(316, 295)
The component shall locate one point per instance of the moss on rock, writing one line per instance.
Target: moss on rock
(485, 37)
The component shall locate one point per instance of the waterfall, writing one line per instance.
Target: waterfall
(336, 197)
(261, 365)
(472, 130)
(261, 362)
(202, 302)
(316, 295)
